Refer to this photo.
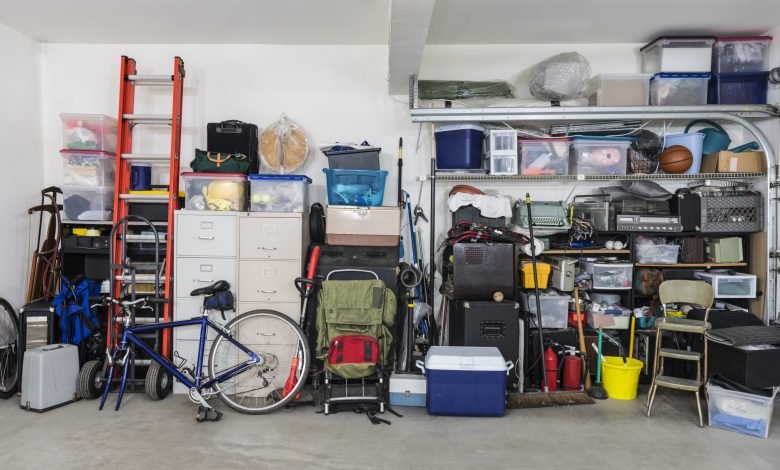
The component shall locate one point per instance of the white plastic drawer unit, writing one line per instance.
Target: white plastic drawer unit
(206, 235)
(268, 281)
(270, 238)
(730, 286)
(192, 273)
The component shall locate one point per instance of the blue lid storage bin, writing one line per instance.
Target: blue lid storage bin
(459, 146)
(738, 88)
(278, 193)
(465, 381)
(679, 89)
(364, 188)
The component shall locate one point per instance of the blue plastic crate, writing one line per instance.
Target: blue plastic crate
(738, 88)
(355, 187)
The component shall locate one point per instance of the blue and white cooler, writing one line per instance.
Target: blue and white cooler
(465, 381)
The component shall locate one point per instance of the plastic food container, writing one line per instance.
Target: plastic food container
(738, 88)
(465, 381)
(278, 193)
(611, 276)
(741, 412)
(88, 202)
(354, 159)
(677, 54)
(544, 156)
(679, 89)
(459, 146)
(619, 89)
(214, 191)
(600, 155)
(747, 54)
(730, 286)
(88, 132)
(648, 253)
(693, 141)
(355, 187)
(555, 308)
(88, 168)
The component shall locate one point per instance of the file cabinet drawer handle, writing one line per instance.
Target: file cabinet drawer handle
(266, 248)
(201, 237)
(268, 291)
(205, 280)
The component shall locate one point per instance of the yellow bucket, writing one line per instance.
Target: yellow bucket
(621, 380)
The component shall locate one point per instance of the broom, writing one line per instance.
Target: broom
(546, 398)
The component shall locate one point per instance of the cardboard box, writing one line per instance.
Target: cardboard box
(730, 162)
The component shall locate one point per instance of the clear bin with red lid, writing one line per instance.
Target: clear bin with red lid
(741, 54)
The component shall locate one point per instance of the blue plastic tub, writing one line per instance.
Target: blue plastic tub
(694, 141)
(364, 188)
(738, 88)
(465, 381)
(459, 146)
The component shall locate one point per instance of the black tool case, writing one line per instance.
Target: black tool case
(234, 137)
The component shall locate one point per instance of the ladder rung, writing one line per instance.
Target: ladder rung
(147, 118)
(139, 278)
(153, 198)
(679, 354)
(151, 80)
(677, 383)
(146, 157)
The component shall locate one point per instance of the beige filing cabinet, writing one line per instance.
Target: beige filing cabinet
(258, 253)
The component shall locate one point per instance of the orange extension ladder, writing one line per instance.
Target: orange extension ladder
(124, 197)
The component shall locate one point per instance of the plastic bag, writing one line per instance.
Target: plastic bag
(284, 146)
(560, 77)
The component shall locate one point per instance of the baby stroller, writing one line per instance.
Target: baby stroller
(354, 340)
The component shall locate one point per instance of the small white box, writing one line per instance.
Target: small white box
(49, 377)
(677, 54)
(407, 389)
(730, 286)
(502, 151)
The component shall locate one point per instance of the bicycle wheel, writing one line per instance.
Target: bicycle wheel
(277, 341)
(9, 337)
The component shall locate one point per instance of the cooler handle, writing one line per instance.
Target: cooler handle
(421, 365)
(509, 366)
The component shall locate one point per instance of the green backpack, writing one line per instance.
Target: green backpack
(348, 308)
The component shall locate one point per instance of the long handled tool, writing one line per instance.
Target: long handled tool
(597, 390)
(581, 336)
(536, 290)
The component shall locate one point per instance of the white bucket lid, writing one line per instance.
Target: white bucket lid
(465, 358)
(458, 127)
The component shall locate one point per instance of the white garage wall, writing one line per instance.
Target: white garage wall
(22, 175)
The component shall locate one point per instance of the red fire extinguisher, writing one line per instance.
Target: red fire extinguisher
(571, 376)
(551, 369)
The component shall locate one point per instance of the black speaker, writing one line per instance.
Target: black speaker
(487, 323)
(480, 269)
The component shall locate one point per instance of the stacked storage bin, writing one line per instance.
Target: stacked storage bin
(739, 70)
(680, 68)
(89, 162)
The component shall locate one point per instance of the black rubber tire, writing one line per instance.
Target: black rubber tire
(90, 383)
(10, 389)
(158, 382)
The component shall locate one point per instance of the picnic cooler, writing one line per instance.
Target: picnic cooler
(362, 226)
(465, 381)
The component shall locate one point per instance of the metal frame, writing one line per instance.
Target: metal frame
(735, 114)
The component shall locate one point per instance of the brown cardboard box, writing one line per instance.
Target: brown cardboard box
(730, 162)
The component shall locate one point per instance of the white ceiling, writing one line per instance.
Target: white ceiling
(367, 21)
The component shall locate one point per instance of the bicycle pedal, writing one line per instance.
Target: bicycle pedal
(207, 414)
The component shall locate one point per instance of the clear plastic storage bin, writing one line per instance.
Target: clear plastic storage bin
(599, 155)
(544, 156)
(648, 253)
(741, 412)
(679, 89)
(748, 54)
(88, 202)
(88, 132)
(555, 308)
(355, 187)
(278, 193)
(214, 191)
(88, 168)
(611, 276)
(677, 54)
(619, 89)
(730, 286)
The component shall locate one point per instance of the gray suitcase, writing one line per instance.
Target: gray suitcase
(49, 377)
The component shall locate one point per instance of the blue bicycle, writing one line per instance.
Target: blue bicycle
(258, 361)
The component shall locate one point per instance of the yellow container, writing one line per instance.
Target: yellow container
(621, 380)
(542, 270)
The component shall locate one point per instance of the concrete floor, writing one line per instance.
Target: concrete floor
(153, 435)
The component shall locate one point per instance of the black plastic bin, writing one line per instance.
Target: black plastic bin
(357, 159)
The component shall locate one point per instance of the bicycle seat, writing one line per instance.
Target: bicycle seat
(219, 286)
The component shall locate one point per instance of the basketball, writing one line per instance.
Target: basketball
(676, 159)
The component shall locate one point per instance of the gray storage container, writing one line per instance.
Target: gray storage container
(49, 377)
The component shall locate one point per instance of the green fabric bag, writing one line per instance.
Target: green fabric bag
(219, 162)
(355, 308)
